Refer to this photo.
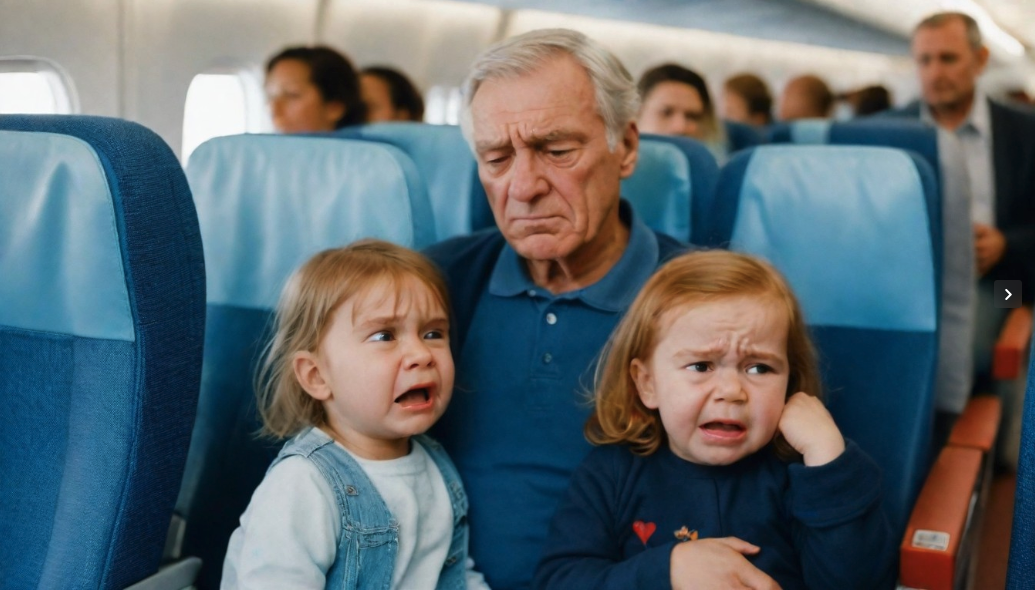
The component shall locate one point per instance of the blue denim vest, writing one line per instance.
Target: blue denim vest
(369, 537)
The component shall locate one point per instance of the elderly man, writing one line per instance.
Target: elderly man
(999, 146)
(550, 117)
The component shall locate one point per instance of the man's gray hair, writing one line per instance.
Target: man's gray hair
(941, 19)
(616, 96)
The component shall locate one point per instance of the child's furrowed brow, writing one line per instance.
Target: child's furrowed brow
(378, 321)
(702, 351)
(768, 356)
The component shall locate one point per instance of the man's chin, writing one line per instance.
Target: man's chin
(541, 247)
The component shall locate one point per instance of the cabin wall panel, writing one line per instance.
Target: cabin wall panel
(171, 41)
(81, 37)
(433, 42)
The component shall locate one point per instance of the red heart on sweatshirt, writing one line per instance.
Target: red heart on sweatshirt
(644, 530)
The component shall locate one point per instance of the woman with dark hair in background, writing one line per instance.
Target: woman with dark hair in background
(390, 95)
(676, 102)
(312, 89)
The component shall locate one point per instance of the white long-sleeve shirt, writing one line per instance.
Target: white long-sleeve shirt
(289, 533)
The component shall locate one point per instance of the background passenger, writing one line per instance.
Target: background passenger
(806, 97)
(867, 100)
(709, 386)
(746, 99)
(312, 89)
(675, 101)
(550, 116)
(358, 369)
(999, 146)
(390, 95)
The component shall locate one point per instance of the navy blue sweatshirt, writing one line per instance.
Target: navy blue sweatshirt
(818, 527)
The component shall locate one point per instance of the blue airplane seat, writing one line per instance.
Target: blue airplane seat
(266, 204)
(852, 230)
(741, 136)
(904, 134)
(101, 332)
(1021, 569)
(446, 165)
(673, 174)
(944, 155)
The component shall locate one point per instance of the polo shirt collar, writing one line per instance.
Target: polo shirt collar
(614, 293)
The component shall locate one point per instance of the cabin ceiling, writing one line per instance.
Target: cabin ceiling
(777, 20)
(1016, 17)
(1007, 26)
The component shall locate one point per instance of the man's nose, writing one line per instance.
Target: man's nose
(527, 181)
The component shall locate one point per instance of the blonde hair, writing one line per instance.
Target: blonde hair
(619, 415)
(307, 304)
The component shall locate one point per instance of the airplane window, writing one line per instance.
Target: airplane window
(30, 86)
(442, 105)
(220, 104)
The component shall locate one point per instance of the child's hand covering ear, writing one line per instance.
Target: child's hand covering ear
(810, 429)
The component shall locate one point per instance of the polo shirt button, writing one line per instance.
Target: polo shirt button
(551, 319)
(531, 292)
(548, 358)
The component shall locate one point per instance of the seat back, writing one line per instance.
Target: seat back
(266, 204)
(851, 229)
(741, 136)
(1021, 569)
(446, 166)
(101, 332)
(671, 174)
(943, 153)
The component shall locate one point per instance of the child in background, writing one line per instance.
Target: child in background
(718, 454)
(358, 368)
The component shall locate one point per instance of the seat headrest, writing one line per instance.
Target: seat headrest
(841, 224)
(60, 254)
(660, 190)
(266, 203)
(673, 176)
(445, 164)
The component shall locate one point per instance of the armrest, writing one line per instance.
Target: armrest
(933, 549)
(1011, 345)
(978, 426)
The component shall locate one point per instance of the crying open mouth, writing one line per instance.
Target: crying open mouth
(723, 426)
(414, 397)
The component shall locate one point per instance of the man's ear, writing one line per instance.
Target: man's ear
(630, 143)
(982, 56)
(310, 375)
(640, 374)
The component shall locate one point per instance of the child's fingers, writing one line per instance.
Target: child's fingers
(756, 579)
(807, 426)
(739, 545)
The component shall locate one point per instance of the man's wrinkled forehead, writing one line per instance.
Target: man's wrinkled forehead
(533, 97)
(521, 67)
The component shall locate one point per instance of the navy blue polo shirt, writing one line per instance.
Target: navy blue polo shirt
(514, 427)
